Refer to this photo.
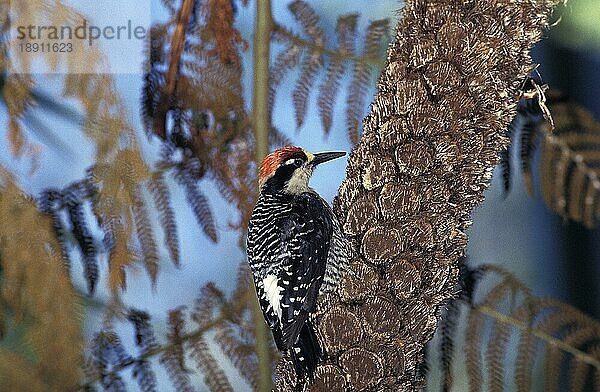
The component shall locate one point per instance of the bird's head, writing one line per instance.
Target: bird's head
(288, 169)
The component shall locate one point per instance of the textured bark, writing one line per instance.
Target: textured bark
(430, 143)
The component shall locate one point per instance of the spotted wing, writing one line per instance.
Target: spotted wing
(305, 236)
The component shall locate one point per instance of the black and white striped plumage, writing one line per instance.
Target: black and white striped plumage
(296, 251)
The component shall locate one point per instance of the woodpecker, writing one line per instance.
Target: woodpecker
(296, 250)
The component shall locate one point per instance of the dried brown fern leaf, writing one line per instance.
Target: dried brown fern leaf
(210, 300)
(308, 18)
(552, 368)
(162, 201)
(241, 353)
(357, 93)
(312, 62)
(144, 335)
(235, 176)
(501, 333)
(578, 371)
(145, 376)
(562, 328)
(473, 338)
(473, 360)
(214, 377)
(286, 60)
(173, 358)
(209, 85)
(569, 163)
(119, 180)
(47, 203)
(79, 227)
(505, 161)
(596, 371)
(178, 40)
(278, 139)
(197, 201)
(310, 66)
(577, 368)
(528, 140)
(219, 17)
(569, 311)
(29, 275)
(17, 96)
(108, 354)
(563, 320)
(525, 348)
(244, 283)
(495, 356)
(359, 84)
(448, 327)
(346, 34)
(145, 235)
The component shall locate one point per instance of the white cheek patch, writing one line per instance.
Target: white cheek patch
(299, 181)
(273, 292)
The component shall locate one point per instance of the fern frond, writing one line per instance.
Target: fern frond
(143, 373)
(239, 352)
(173, 358)
(448, 326)
(278, 139)
(214, 377)
(525, 348)
(473, 337)
(473, 361)
(198, 202)
(47, 203)
(376, 31)
(312, 62)
(308, 73)
(286, 60)
(359, 84)
(569, 162)
(219, 18)
(528, 140)
(346, 33)
(505, 166)
(495, 355)
(578, 374)
(596, 375)
(206, 304)
(84, 238)
(144, 335)
(108, 353)
(145, 235)
(505, 155)
(243, 284)
(552, 364)
(145, 340)
(308, 18)
(578, 368)
(162, 200)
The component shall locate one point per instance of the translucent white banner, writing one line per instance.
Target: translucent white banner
(108, 36)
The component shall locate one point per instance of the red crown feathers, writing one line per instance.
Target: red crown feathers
(274, 160)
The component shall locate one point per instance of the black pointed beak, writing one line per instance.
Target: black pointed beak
(326, 156)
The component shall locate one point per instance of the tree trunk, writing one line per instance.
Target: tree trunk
(430, 143)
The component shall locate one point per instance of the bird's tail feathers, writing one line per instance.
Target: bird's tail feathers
(306, 353)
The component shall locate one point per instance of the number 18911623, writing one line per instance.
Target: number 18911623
(46, 47)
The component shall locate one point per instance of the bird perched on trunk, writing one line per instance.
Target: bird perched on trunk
(296, 251)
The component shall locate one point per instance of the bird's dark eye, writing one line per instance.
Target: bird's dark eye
(293, 161)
